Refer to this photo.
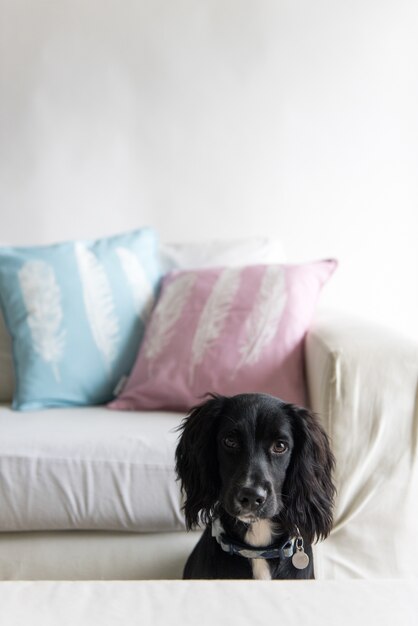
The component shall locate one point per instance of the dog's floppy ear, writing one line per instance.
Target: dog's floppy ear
(308, 489)
(197, 461)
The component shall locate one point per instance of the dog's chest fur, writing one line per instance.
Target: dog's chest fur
(260, 534)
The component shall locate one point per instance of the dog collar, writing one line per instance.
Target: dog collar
(285, 549)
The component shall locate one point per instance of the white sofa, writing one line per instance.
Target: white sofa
(89, 493)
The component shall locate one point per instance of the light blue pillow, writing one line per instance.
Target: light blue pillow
(76, 312)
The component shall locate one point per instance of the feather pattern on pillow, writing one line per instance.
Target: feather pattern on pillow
(42, 298)
(163, 322)
(100, 307)
(138, 281)
(262, 322)
(214, 314)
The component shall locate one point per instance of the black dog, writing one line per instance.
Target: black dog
(258, 473)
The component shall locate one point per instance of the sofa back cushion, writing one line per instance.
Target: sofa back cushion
(218, 253)
(227, 331)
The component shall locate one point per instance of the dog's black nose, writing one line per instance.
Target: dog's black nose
(251, 498)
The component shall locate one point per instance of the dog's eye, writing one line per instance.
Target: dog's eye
(230, 442)
(279, 447)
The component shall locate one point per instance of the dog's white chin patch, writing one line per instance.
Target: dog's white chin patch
(259, 535)
(247, 519)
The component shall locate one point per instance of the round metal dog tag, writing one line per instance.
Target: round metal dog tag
(300, 559)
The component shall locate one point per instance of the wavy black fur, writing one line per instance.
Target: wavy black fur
(298, 485)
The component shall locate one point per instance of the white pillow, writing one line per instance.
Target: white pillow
(214, 253)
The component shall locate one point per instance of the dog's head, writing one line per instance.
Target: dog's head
(256, 457)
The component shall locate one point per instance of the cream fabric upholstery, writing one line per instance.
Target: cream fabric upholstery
(231, 253)
(95, 555)
(363, 382)
(88, 468)
(166, 603)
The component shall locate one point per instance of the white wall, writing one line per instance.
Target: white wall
(220, 118)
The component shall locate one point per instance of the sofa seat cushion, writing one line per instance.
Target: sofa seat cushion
(88, 468)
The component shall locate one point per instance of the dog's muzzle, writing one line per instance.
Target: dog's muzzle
(249, 500)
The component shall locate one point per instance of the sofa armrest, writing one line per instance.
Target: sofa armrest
(363, 382)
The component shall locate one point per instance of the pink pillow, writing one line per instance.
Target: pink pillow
(226, 331)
